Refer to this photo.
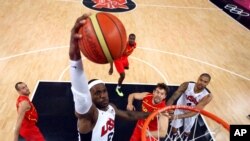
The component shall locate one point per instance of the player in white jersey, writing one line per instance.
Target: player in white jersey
(91, 99)
(191, 94)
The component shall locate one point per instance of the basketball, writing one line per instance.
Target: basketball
(104, 38)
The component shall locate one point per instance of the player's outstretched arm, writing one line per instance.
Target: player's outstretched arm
(86, 112)
(163, 126)
(181, 89)
(134, 96)
(130, 115)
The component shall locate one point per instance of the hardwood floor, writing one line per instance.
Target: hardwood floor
(177, 41)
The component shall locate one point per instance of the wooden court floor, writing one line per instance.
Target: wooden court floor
(177, 41)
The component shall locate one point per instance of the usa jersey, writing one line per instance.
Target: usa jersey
(105, 125)
(190, 98)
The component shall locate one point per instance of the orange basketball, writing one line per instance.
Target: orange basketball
(104, 38)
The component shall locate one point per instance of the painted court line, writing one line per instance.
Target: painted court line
(155, 50)
(31, 52)
(152, 66)
(196, 60)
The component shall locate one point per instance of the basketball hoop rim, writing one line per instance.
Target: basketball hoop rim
(172, 107)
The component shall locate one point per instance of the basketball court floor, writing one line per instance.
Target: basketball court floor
(177, 41)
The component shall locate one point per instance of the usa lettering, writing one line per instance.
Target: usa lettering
(108, 127)
(192, 99)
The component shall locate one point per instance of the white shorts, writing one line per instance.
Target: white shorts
(187, 122)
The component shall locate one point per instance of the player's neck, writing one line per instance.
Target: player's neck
(196, 90)
(24, 95)
(104, 108)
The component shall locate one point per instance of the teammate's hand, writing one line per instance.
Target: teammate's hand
(130, 107)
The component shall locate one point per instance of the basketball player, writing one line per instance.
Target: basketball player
(122, 62)
(27, 116)
(150, 103)
(191, 94)
(92, 107)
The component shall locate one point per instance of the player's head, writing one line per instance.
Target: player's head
(203, 81)
(160, 92)
(22, 88)
(131, 39)
(99, 93)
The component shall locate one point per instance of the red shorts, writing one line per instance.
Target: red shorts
(32, 133)
(136, 136)
(121, 63)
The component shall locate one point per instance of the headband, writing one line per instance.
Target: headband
(95, 82)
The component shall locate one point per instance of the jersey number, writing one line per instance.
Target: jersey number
(110, 136)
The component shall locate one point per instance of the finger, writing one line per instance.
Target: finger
(80, 21)
(79, 24)
(77, 36)
(84, 16)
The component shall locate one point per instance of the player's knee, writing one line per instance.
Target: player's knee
(122, 75)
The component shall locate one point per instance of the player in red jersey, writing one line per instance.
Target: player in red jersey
(27, 116)
(122, 62)
(150, 103)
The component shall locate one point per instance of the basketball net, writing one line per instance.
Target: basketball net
(218, 129)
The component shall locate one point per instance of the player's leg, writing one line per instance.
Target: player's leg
(188, 124)
(176, 124)
(125, 63)
(118, 87)
(120, 69)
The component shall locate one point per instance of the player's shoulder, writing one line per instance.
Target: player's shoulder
(147, 94)
(207, 90)
(23, 98)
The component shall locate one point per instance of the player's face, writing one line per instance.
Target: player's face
(202, 82)
(23, 89)
(100, 96)
(159, 95)
(131, 40)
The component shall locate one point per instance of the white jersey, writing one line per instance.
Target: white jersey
(190, 98)
(105, 125)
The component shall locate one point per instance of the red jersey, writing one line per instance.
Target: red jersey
(30, 117)
(29, 131)
(148, 106)
(129, 49)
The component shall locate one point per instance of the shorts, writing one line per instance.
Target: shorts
(136, 136)
(187, 122)
(32, 133)
(121, 63)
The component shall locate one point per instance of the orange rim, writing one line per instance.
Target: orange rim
(203, 112)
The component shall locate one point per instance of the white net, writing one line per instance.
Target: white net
(204, 126)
